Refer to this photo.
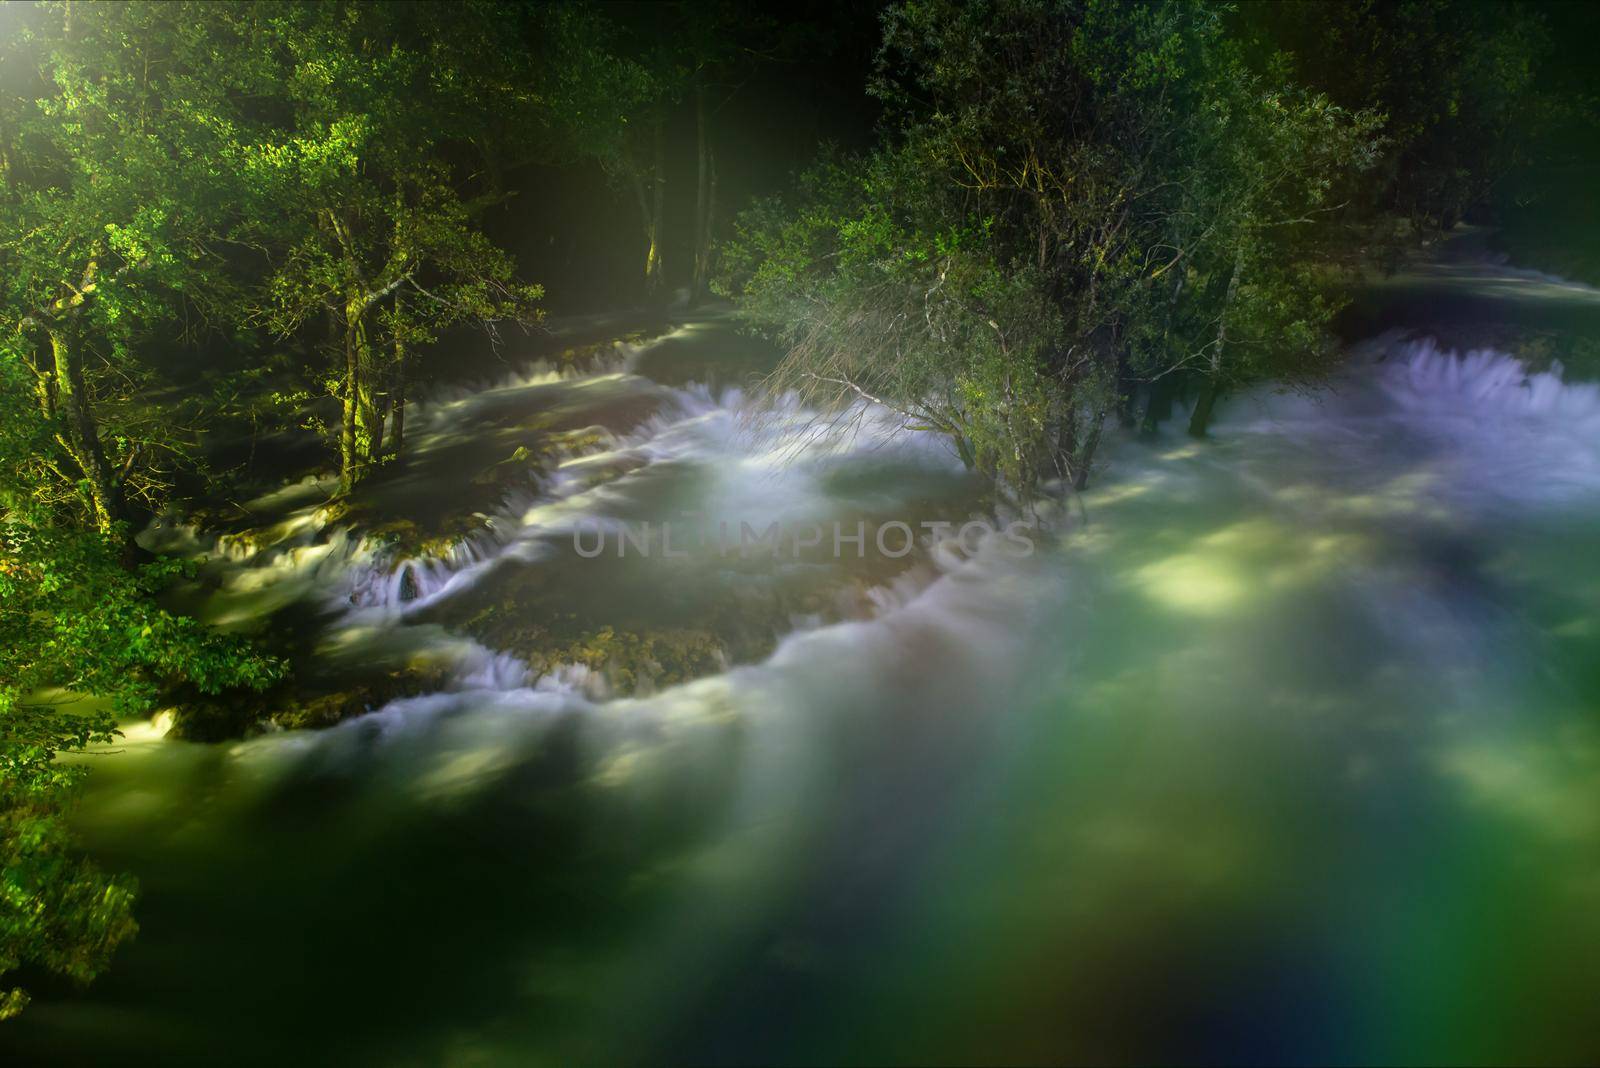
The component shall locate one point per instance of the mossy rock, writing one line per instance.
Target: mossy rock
(586, 355)
(634, 662)
(407, 539)
(300, 711)
(515, 471)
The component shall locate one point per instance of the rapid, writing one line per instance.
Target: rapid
(1279, 746)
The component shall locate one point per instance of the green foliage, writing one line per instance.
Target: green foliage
(1455, 79)
(73, 618)
(58, 911)
(174, 171)
(1077, 196)
(115, 215)
(600, 88)
(361, 178)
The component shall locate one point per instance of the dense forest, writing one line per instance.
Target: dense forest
(238, 240)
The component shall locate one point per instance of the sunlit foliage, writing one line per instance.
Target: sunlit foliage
(81, 642)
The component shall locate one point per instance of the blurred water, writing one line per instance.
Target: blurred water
(1283, 748)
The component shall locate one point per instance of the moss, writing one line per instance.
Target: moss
(515, 470)
(407, 539)
(586, 356)
(298, 711)
(297, 705)
(634, 661)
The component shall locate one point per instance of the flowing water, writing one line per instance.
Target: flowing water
(1280, 747)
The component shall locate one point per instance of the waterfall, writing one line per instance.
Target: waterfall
(1421, 376)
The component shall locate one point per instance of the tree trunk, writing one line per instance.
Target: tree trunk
(1076, 456)
(1201, 418)
(83, 437)
(1085, 455)
(369, 434)
(650, 209)
(1158, 400)
(1157, 404)
(659, 173)
(347, 416)
(356, 415)
(705, 200)
(652, 256)
(397, 400)
(1127, 393)
(711, 215)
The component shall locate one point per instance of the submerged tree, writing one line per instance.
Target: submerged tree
(1077, 198)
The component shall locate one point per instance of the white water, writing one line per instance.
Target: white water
(751, 462)
(1476, 429)
(1294, 734)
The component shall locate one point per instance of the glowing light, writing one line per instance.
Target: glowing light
(1192, 582)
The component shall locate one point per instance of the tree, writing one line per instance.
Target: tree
(116, 230)
(1076, 198)
(717, 38)
(613, 95)
(1454, 78)
(359, 181)
(115, 224)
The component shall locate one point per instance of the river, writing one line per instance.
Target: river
(1279, 747)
